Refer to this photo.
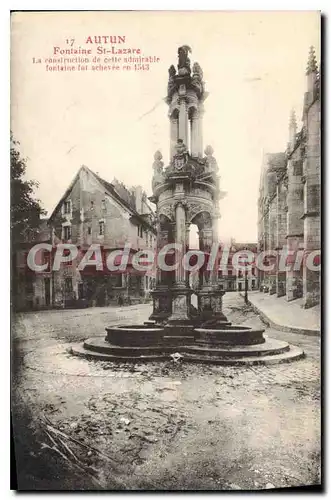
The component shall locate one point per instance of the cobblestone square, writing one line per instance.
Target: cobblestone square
(82, 424)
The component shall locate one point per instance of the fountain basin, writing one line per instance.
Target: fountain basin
(135, 335)
(229, 335)
(219, 342)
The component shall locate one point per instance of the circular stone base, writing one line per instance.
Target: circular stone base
(229, 335)
(270, 352)
(134, 335)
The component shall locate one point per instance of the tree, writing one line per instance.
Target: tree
(25, 209)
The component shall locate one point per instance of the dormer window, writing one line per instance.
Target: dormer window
(67, 207)
(101, 228)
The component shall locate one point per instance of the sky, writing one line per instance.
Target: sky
(113, 122)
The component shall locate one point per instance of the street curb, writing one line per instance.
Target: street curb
(288, 329)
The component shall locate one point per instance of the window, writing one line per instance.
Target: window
(229, 272)
(103, 204)
(68, 285)
(253, 283)
(101, 228)
(67, 232)
(67, 207)
(92, 205)
(89, 230)
(118, 281)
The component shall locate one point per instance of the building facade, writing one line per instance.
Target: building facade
(232, 277)
(289, 204)
(91, 211)
(31, 290)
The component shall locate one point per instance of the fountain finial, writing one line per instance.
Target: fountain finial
(184, 67)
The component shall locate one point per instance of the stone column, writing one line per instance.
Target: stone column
(217, 293)
(173, 135)
(195, 134)
(205, 299)
(215, 242)
(206, 239)
(181, 240)
(311, 216)
(180, 291)
(187, 247)
(162, 241)
(161, 294)
(183, 121)
(311, 277)
(294, 223)
(200, 131)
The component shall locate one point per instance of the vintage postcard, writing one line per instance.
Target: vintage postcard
(165, 250)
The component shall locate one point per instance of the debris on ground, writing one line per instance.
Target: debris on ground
(176, 356)
(125, 421)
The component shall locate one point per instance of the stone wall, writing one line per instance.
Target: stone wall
(297, 200)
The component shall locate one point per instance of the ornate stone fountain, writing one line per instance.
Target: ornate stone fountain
(187, 192)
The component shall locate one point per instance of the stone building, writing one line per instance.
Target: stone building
(91, 211)
(94, 211)
(31, 290)
(231, 277)
(289, 203)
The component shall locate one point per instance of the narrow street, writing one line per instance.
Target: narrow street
(84, 424)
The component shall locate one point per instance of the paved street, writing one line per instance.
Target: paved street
(84, 424)
(287, 316)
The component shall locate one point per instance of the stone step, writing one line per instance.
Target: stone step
(270, 347)
(293, 354)
(79, 350)
(178, 339)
